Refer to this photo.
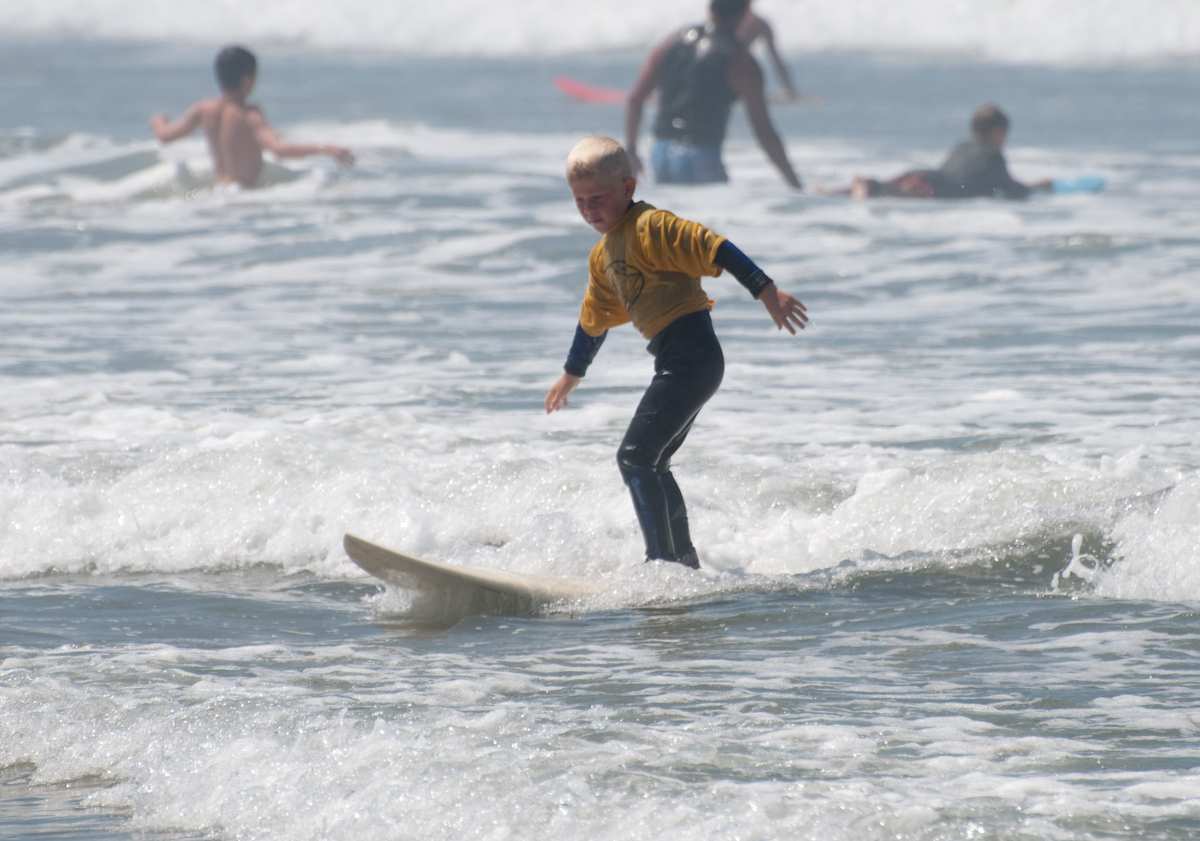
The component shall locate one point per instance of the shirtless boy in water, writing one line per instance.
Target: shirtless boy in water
(237, 131)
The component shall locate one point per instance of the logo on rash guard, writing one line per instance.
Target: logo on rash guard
(627, 280)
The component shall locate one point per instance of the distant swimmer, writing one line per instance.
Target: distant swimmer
(754, 27)
(699, 73)
(975, 168)
(646, 269)
(238, 132)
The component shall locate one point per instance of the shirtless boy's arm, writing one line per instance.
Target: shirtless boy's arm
(746, 79)
(646, 82)
(271, 141)
(167, 131)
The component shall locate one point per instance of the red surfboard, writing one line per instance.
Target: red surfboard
(583, 92)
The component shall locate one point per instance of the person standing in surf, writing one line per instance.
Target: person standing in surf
(646, 269)
(237, 131)
(699, 73)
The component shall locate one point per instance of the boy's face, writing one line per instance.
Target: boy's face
(602, 202)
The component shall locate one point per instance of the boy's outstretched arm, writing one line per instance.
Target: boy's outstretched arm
(271, 141)
(167, 131)
(786, 311)
(583, 351)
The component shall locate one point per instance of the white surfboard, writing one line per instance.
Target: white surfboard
(493, 590)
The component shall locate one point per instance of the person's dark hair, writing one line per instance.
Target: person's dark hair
(234, 64)
(728, 11)
(986, 119)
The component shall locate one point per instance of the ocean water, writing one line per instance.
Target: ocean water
(951, 534)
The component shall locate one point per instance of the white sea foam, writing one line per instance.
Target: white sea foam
(244, 423)
(1159, 547)
(604, 739)
(1023, 30)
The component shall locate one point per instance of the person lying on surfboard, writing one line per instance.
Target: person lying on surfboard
(646, 269)
(699, 73)
(237, 131)
(975, 168)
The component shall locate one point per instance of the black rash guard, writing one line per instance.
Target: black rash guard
(695, 98)
(975, 170)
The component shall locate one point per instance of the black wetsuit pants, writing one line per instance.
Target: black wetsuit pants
(688, 367)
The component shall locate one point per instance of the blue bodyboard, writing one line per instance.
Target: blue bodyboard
(1083, 184)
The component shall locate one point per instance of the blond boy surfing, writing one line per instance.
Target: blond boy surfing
(646, 269)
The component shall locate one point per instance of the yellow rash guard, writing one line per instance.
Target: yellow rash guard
(647, 270)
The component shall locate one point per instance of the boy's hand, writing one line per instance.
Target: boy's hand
(159, 124)
(556, 397)
(787, 312)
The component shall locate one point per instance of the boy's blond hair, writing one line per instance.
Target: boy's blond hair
(598, 157)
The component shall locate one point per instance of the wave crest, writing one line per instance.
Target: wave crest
(1079, 31)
